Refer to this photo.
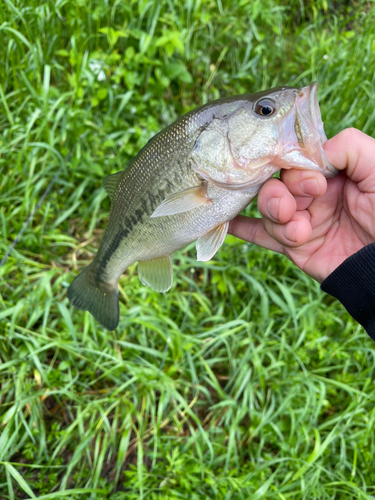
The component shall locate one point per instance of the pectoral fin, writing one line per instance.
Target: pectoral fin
(110, 183)
(210, 243)
(183, 201)
(157, 273)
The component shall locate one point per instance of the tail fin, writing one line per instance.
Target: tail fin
(88, 293)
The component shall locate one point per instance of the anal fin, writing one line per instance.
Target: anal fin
(157, 273)
(210, 243)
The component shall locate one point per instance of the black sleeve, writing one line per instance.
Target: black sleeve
(353, 283)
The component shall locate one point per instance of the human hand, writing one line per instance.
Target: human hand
(317, 222)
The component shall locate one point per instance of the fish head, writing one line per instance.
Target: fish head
(252, 138)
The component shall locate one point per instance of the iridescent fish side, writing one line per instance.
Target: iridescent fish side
(190, 180)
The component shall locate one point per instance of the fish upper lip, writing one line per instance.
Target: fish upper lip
(310, 108)
(316, 120)
(313, 101)
(302, 130)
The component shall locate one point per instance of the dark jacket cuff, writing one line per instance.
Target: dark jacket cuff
(353, 284)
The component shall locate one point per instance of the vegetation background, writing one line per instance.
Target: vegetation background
(244, 381)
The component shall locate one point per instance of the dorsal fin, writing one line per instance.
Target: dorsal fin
(110, 183)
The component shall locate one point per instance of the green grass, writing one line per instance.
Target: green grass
(244, 381)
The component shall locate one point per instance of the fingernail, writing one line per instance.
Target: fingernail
(273, 208)
(289, 231)
(310, 186)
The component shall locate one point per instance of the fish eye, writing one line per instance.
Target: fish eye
(265, 107)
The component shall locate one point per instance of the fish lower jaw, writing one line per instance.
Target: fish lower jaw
(312, 158)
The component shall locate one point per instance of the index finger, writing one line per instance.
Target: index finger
(353, 151)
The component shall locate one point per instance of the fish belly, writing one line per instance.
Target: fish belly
(161, 236)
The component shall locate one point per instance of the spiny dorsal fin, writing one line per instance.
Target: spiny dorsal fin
(182, 202)
(110, 183)
(210, 243)
(157, 273)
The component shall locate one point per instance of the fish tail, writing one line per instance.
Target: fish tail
(88, 293)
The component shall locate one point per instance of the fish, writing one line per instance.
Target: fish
(190, 180)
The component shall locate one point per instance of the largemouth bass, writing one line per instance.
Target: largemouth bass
(190, 180)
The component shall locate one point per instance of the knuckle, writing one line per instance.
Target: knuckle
(350, 133)
(292, 178)
(271, 229)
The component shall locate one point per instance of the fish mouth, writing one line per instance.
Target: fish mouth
(303, 134)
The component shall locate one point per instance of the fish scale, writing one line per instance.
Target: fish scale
(190, 180)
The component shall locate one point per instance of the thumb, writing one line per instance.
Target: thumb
(353, 151)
